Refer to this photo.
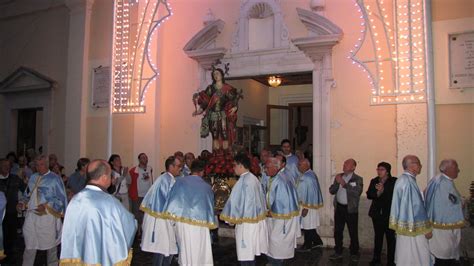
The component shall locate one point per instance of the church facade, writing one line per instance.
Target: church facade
(51, 50)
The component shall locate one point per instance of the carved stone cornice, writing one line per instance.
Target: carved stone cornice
(206, 57)
(202, 46)
(323, 35)
(316, 47)
(26, 80)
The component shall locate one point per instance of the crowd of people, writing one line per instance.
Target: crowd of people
(99, 210)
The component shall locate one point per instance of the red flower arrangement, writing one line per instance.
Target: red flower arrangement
(221, 166)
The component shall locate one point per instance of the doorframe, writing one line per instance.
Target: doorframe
(267, 133)
(290, 119)
(26, 88)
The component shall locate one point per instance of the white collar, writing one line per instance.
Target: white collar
(93, 187)
(410, 174)
(4, 177)
(447, 176)
(289, 154)
(44, 173)
(348, 175)
(244, 173)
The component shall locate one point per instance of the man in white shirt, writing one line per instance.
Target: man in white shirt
(347, 188)
(141, 180)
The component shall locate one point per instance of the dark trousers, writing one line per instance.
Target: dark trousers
(341, 218)
(275, 262)
(9, 226)
(248, 263)
(381, 229)
(161, 260)
(444, 262)
(137, 212)
(311, 238)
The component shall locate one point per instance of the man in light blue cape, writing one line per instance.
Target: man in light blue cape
(283, 211)
(158, 234)
(291, 160)
(310, 200)
(190, 205)
(445, 212)
(246, 208)
(45, 200)
(98, 230)
(408, 217)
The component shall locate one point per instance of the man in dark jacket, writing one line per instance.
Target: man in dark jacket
(10, 184)
(380, 192)
(347, 188)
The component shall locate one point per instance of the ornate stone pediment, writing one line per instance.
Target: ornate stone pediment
(285, 54)
(25, 80)
(202, 47)
(322, 34)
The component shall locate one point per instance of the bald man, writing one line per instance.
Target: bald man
(98, 230)
(310, 199)
(347, 188)
(444, 208)
(408, 217)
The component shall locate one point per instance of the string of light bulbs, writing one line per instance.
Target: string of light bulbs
(396, 65)
(134, 68)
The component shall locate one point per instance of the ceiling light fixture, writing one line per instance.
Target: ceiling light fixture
(274, 81)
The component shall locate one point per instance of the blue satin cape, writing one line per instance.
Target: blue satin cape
(154, 201)
(407, 214)
(291, 167)
(309, 191)
(444, 203)
(51, 191)
(97, 230)
(246, 203)
(282, 198)
(191, 201)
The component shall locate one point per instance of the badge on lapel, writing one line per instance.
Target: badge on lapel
(453, 198)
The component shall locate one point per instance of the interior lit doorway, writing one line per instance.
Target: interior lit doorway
(267, 115)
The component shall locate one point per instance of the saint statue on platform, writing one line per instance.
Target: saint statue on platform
(218, 104)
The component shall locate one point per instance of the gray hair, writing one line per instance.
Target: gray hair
(275, 162)
(445, 164)
(42, 157)
(407, 160)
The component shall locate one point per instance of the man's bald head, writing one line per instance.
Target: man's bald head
(303, 165)
(349, 166)
(99, 173)
(411, 164)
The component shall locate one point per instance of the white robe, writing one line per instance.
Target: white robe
(41, 232)
(251, 239)
(311, 221)
(194, 244)
(445, 243)
(164, 236)
(413, 251)
(282, 236)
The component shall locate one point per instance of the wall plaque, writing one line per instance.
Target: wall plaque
(461, 60)
(101, 87)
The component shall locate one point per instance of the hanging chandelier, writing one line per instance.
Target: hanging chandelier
(274, 81)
